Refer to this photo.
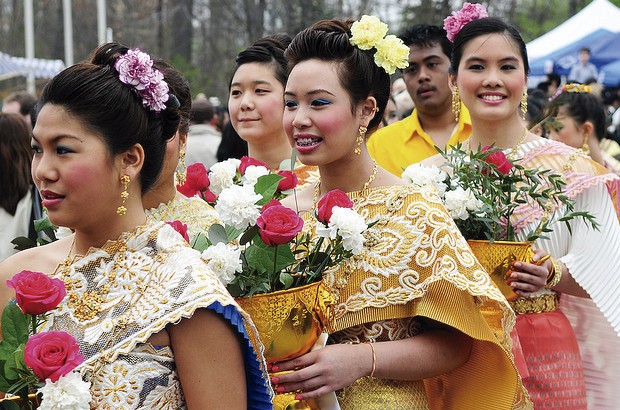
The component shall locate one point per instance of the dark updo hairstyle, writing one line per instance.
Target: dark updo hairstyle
(328, 40)
(484, 26)
(268, 50)
(581, 107)
(179, 86)
(93, 93)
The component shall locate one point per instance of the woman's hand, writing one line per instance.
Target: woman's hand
(528, 278)
(324, 370)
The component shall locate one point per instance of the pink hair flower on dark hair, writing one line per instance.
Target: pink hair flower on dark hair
(136, 70)
(455, 22)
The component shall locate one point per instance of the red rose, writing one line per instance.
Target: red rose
(181, 228)
(498, 158)
(35, 292)
(52, 354)
(247, 161)
(272, 202)
(333, 198)
(208, 196)
(289, 182)
(278, 225)
(197, 180)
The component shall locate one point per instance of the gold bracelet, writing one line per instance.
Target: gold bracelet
(557, 274)
(374, 359)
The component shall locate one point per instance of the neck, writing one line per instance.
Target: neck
(595, 151)
(347, 174)
(160, 194)
(503, 135)
(439, 118)
(271, 151)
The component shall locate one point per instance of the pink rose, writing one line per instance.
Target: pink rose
(272, 202)
(498, 158)
(181, 228)
(333, 198)
(278, 225)
(289, 182)
(197, 180)
(35, 292)
(247, 161)
(455, 22)
(52, 354)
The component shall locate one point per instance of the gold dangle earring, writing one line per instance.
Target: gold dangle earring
(125, 180)
(585, 147)
(360, 139)
(456, 103)
(181, 171)
(524, 104)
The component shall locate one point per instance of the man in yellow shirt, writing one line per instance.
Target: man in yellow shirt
(432, 121)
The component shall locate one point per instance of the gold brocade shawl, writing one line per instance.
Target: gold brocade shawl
(306, 174)
(578, 170)
(416, 263)
(159, 281)
(193, 212)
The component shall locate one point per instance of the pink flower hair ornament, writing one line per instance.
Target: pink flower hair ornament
(135, 68)
(455, 22)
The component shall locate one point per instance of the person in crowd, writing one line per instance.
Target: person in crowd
(255, 104)
(232, 145)
(398, 335)
(144, 308)
(551, 84)
(536, 103)
(163, 202)
(204, 138)
(576, 117)
(19, 204)
(583, 71)
(489, 67)
(435, 121)
(20, 102)
(402, 99)
(391, 113)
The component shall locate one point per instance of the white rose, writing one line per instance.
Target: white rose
(237, 207)
(221, 176)
(349, 225)
(418, 174)
(252, 173)
(224, 260)
(70, 392)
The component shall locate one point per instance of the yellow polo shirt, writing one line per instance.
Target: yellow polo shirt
(403, 143)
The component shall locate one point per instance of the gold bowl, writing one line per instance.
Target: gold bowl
(289, 322)
(497, 259)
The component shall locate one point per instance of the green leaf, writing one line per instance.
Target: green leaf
(261, 256)
(200, 242)
(8, 405)
(249, 235)
(21, 243)
(15, 324)
(267, 185)
(217, 234)
(286, 279)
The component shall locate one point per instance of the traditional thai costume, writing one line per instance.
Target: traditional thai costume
(416, 265)
(558, 355)
(121, 294)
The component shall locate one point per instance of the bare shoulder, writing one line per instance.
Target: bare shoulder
(42, 258)
(300, 201)
(385, 178)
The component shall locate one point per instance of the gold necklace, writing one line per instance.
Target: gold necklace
(317, 186)
(515, 150)
(88, 305)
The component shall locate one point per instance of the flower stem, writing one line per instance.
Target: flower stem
(275, 274)
(33, 319)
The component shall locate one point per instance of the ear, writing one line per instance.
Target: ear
(131, 161)
(588, 129)
(451, 81)
(369, 109)
(182, 140)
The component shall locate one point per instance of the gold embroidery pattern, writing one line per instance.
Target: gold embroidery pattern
(193, 212)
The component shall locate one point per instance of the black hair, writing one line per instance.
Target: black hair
(328, 40)
(479, 27)
(179, 86)
(202, 111)
(427, 35)
(232, 145)
(25, 100)
(581, 107)
(93, 93)
(15, 160)
(554, 77)
(267, 50)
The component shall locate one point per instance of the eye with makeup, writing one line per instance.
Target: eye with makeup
(320, 102)
(36, 149)
(290, 104)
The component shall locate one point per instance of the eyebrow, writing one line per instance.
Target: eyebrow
(502, 60)
(58, 138)
(257, 82)
(312, 92)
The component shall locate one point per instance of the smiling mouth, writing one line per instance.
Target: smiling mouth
(306, 142)
(492, 97)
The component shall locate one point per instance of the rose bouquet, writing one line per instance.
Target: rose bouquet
(483, 189)
(45, 361)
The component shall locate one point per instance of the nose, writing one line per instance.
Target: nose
(423, 74)
(43, 168)
(247, 101)
(300, 119)
(492, 78)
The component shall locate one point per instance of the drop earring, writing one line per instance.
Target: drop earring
(585, 147)
(181, 171)
(360, 139)
(524, 104)
(125, 180)
(456, 103)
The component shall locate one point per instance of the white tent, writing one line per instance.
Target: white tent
(600, 14)
(19, 66)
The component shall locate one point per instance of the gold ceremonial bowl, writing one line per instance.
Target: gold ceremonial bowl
(497, 259)
(289, 321)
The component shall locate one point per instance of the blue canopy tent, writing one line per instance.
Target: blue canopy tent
(610, 74)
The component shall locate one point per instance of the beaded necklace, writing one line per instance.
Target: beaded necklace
(317, 186)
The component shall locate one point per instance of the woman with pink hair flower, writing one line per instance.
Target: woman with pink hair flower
(489, 68)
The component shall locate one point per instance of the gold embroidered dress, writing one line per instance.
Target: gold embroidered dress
(417, 265)
(145, 281)
(197, 214)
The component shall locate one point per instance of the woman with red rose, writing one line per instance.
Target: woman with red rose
(408, 329)
(489, 69)
(155, 325)
(164, 202)
(255, 105)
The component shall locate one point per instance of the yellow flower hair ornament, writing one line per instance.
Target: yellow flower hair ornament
(391, 53)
